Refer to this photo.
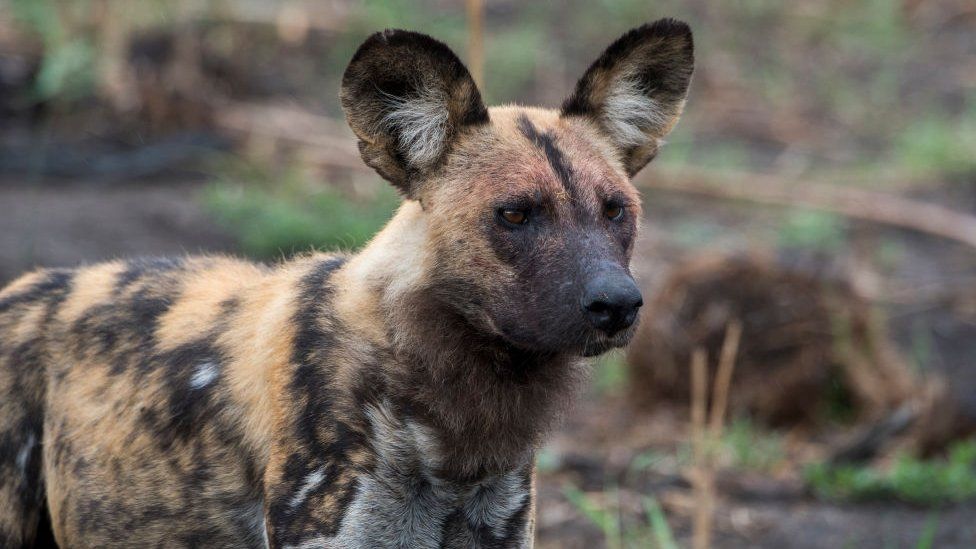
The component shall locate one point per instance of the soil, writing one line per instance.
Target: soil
(753, 510)
(64, 224)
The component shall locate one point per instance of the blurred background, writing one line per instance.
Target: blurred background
(805, 374)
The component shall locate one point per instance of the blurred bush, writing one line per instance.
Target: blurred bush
(909, 479)
(276, 215)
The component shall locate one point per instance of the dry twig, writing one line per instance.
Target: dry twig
(476, 42)
(856, 203)
(701, 474)
(705, 438)
(723, 379)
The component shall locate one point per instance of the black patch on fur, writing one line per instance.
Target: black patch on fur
(145, 309)
(44, 537)
(386, 76)
(557, 160)
(188, 408)
(668, 78)
(659, 59)
(404, 65)
(139, 267)
(516, 524)
(228, 307)
(322, 439)
(370, 385)
(124, 329)
(54, 284)
(312, 344)
(27, 378)
(458, 525)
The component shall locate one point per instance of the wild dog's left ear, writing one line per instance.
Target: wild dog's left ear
(636, 89)
(407, 96)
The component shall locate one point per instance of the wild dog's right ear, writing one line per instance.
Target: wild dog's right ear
(636, 90)
(407, 96)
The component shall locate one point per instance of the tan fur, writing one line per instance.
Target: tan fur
(21, 283)
(199, 302)
(93, 286)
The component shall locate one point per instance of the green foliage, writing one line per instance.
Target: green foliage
(927, 538)
(749, 447)
(812, 230)
(872, 26)
(838, 406)
(546, 460)
(68, 67)
(922, 345)
(651, 459)
(67, 73)
(890, 253)
(742, 446)
(620, 532)
(611, 372)
(696, 233)
(682, 150)
(659, 524)
(939, 144)
(512, 54)
(290, 215)
(922, 482)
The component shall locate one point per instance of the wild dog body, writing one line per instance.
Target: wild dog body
(390, 398)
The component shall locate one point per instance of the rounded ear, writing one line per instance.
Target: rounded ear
(636, 90)
(406, 96)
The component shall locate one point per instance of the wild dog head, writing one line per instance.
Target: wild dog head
(530, 213)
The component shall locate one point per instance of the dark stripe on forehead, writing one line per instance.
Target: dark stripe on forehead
(557, 160)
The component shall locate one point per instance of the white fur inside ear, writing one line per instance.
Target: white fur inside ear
(419, 123)
(631, 115)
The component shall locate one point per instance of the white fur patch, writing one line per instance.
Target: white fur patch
(631, 114)
(312, 481)
(253, 521)
(24, 454)
(402, 503)
(205, 374)
(313, 543)
(494, 502)
(419, 123)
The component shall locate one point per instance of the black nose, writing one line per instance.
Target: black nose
(610, 301)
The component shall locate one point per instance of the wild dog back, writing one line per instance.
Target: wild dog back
(133, 377)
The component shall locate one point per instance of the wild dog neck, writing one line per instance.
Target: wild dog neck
(488, 403)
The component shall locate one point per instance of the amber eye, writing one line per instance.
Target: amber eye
(613, 211)
(515, 217)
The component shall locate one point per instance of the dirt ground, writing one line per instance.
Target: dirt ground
(753, 510)
(61, 225)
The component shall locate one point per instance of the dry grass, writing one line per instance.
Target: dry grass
(705, 438)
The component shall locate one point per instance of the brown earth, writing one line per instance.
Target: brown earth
(64, 224)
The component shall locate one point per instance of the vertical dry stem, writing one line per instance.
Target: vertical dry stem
(723, 379)
(476, 43)
(701, 478)
(705, 437)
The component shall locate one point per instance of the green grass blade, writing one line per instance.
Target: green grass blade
(659, 525)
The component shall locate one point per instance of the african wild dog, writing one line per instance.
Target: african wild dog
(394, 397)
